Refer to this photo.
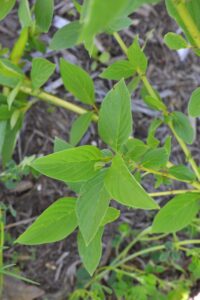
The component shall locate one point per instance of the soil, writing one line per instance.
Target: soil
(54, 266)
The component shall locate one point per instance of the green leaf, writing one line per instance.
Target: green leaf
(124, 188)
(56, 223)
(79, 128)
(120, 69)
(104, 57)
(182, 172)
(19, 46)
(194, 104)
(92, 205)
(91, 254)
(60, 145)
(155, 103)
(194, 266)
(115, 128)
(2, 134)
(11, 136)
(133, 5)
(5, 7)
(37, 43)
(183, 127)
(97, 16)
(77, 6)
(161, 180)
(119, 24)
(175, 41)
(67, 36)
(13, 95)
(44, 14)
(135, 149)
(100, 16)
(10, 74)
(133, 84)
(176, 214)
(137, 57)
(180, 292)
(75, 186)
(3, 99)
(5, 113)
(73, 165)
(77, 82)
(14, 118)
(41, 70)
(24, 13)
(111, 215)
(152, 141)
(155, 158)
(168, 145)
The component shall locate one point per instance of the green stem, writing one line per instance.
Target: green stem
(1, 248)
(128, 274)
(188, 242)
(139, 253)
(121, 262)
(46, 97)
(148, 86)
(131, 244)
(153, 249)
(140, 272)
(121, 43)
(154, 238)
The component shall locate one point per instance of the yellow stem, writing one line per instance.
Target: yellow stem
(56, 101)
(167, 175)
(189, 23)
(186, 151)
(121, 43)
(174, 192)
(148, 86)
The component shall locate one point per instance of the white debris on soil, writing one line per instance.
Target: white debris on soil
(59, 22)
(197, 297)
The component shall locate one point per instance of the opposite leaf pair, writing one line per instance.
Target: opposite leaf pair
(101, 175)
(58, 222)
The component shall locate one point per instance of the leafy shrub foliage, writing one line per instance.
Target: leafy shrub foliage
(117, 171)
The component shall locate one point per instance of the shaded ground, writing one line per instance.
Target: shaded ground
(54, 266)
